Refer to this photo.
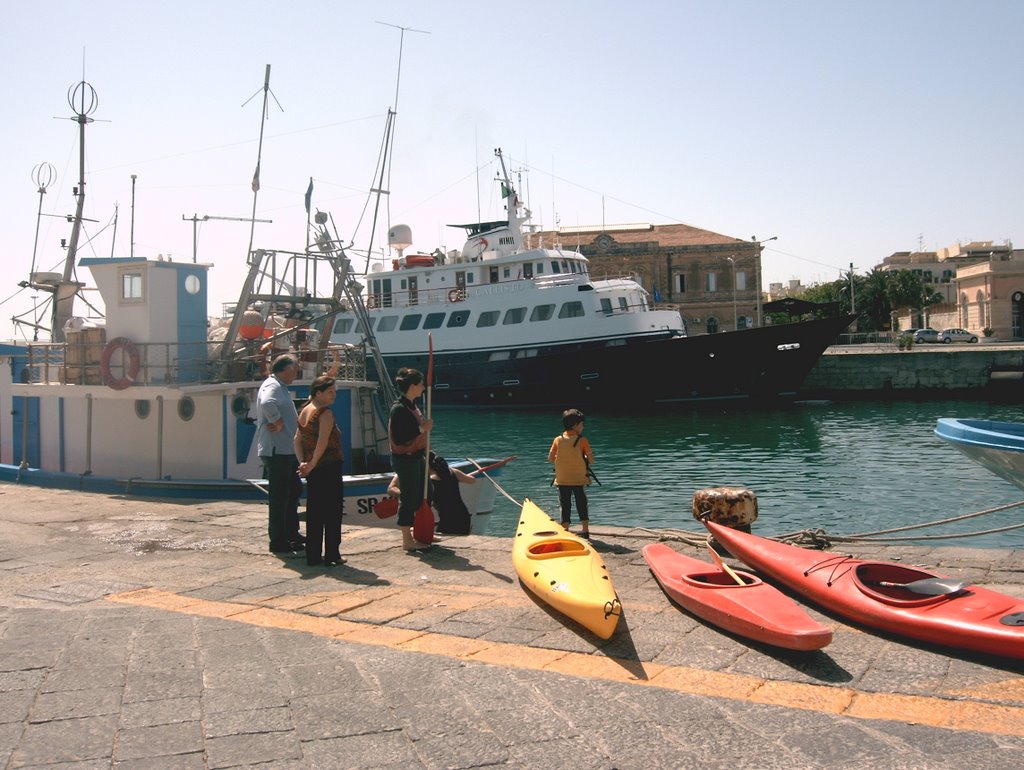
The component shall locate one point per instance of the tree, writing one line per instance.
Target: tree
(876, 295)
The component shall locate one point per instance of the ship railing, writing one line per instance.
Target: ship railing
(179, 363)
(455, 294)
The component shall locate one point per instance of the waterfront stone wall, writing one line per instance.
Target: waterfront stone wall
(856, 369)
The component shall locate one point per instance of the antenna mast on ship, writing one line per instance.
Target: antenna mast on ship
(65, 289)
(384, 165)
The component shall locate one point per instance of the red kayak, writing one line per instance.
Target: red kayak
(755, 609)
(895, 598)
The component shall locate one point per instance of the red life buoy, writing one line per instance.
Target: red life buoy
(456, 295)
(129, 363)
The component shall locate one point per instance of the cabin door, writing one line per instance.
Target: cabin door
(25, 441)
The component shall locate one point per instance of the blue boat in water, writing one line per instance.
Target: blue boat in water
(996, 445)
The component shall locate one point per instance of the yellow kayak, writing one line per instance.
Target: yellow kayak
(564, 571)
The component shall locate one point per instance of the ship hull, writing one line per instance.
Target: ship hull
(767, 363)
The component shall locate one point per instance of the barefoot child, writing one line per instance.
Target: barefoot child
(571, 454)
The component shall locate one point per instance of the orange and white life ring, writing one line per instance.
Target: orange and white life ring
(129, 363)
(456, 295)
(371, 302)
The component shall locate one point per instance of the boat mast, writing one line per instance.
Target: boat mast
(227, 348)
(65, 290)
(508, 191)
(384, 166)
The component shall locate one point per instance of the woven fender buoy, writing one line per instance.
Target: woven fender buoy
(732, 507)
(129, 363)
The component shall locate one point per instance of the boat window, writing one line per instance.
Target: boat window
(141, 408)
(565, 266)
(571, 310)
(554, 267)
(606, 306)
(458, 318)
(526, 353)
(362, 329)
(506, 272)
(542, 313)
(387, 323)
(540, 268)
(433, 320)
(623, 304)
(487, 318)
(343, 326)
(499, 355)
(410, 322)
(493, 272)
(514, 315)
(471, 276)
(132, 288)
(527, 270)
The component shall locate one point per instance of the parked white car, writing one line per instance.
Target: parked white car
(957, 335)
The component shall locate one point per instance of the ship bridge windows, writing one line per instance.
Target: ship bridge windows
(433, 321)
(387, 323)
(410, 322)
(527, 270)
(487, 318)
(571, 310)
(542, 313)
(458, 319)
(554, 267)
(514, 315)
(606, 306)
(343, 326)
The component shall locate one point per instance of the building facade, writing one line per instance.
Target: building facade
(712, 279)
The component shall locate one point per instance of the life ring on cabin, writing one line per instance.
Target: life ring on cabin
(130, 363)
(456, 295)
(371, 302)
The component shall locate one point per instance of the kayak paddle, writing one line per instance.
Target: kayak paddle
(723, 566)
(423, 524)
(927, 586)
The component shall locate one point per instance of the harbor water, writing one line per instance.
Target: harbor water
(845, 468)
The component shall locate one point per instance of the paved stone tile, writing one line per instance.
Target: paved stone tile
(252, 749)
(66, 740)
(148, 713)
(95, 701)
(167, 741)
(271, 720)
(82, 678)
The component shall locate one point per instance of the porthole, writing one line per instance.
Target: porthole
(186, 408)
(240, 406)
(192, 284)
(142, 408)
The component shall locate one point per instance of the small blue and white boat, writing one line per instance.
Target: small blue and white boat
(996, 445)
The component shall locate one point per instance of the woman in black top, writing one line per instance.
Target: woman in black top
(408, 433)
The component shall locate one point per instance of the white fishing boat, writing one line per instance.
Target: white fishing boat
(517, 323)
(993, 444)
(147, 401)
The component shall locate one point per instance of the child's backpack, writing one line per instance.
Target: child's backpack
(453, 515)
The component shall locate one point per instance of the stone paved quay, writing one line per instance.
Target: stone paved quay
(142, 634)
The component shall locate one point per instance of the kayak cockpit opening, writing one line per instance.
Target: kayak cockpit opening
(720, 580)
(554, 548)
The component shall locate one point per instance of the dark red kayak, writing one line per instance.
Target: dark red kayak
(895, 598)
(755, 609)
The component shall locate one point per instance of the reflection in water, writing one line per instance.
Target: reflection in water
(845, 468)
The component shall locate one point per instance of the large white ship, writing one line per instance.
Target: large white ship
(515, 323)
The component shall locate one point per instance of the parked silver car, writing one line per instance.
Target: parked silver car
(957, 335)
(926, 335)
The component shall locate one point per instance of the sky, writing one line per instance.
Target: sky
(848, 130)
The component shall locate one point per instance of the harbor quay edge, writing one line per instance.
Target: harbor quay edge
(148, 633)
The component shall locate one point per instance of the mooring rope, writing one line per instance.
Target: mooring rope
(818, 538)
